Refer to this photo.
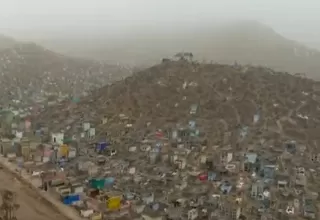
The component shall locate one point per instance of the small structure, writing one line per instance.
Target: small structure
(250, 163)
(188, 56)
(57, 138)
(6, 146)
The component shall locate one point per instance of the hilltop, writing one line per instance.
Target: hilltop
(30, 71)
(247, 42)
(224, 99)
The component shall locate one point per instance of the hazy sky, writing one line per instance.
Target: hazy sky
(296, 18)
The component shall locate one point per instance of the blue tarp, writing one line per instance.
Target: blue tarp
(62, 162)
(69, 199)
(101, 146)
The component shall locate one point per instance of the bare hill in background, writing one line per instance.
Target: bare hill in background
(29, 70)
(246, 42)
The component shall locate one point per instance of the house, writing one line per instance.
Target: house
(86, 126)
(93, 170)
(257, 189)
(37, 155)
(6, 146)
(300, 180)
(19, 134)
(154, 155)
(282, 184)
(25, 148)
(250, 163)
(225, 187)
(77, 188)
(183, 56)
(226, 156)
(193, 109)
(72, 152)
(268, 172)
(53, 178)
(57, 138)
(212, 176)
(91, 133)
(47, 153)
(309, 209)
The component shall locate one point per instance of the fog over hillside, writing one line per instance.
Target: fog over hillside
(142, 32)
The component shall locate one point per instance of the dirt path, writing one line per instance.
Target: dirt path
(288, 117)
(32, 206)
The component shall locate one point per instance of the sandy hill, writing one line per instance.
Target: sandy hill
(226, 99)
(255, 43)
(29, 69)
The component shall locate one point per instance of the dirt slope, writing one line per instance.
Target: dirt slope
(32, 206)
(29, 69)
(228, 97)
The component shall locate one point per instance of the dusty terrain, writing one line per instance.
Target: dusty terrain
(29, 71)
(190, 111)
(227, 96)
(32, 206)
